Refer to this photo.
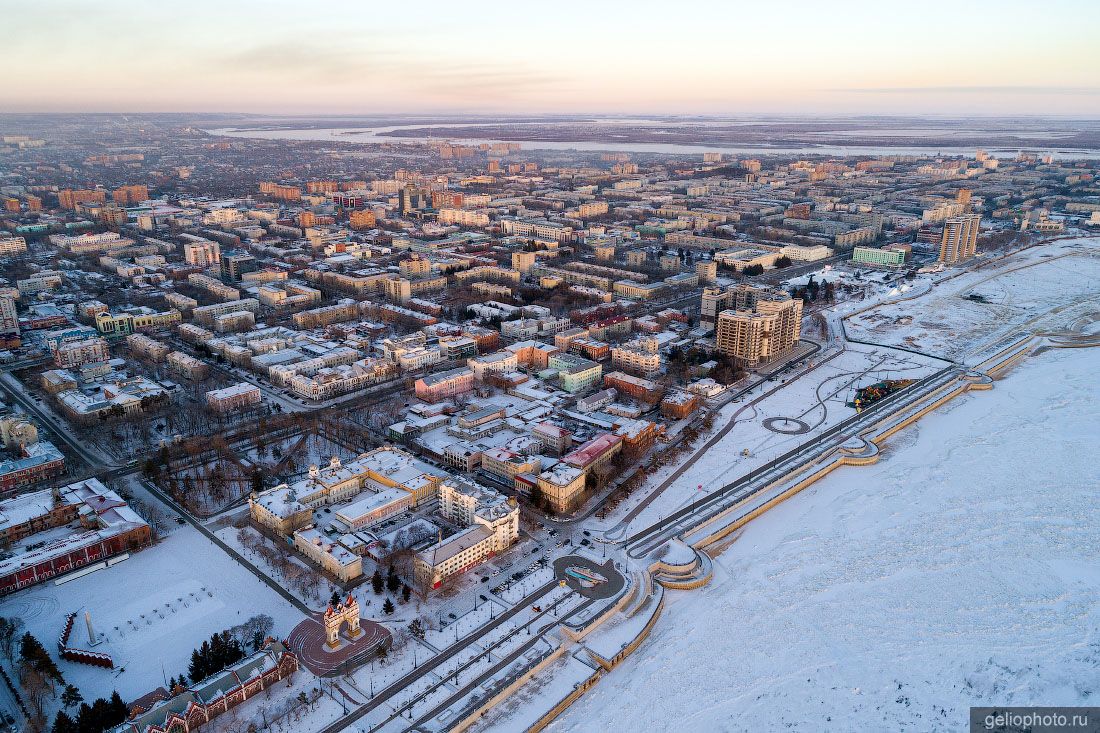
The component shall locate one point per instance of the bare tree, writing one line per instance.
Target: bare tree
(10, 630)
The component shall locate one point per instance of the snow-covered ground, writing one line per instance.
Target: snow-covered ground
(1017, 293)
(960, 570)
(153, 610)
(816, 399)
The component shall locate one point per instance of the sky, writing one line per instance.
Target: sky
(561, 56)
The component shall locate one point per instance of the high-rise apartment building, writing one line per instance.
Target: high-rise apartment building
(9, 318)
(763, 325)
(127, 195)
(960, 238)
(236, 264)
(68, 199)
(202, 253)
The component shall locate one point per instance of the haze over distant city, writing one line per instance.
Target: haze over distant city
(694, 57)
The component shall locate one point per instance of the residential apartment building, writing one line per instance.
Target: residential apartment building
(763, 325)
(960, 238)
(575, 373)
(77, 353)
(12, 246)
(202, 253)
(445, 385)
(640, 356)
(233, 398)
(493, 527)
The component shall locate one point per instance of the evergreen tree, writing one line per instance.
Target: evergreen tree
(393, 583)
(218, 654)
(335, 600)
(117, 709)
(64, 724)
(88, 719)
(197, 669)
(33, 653)
(388, 607)
(537, 497)
(406, 593)
(376, 583)
(71, 696)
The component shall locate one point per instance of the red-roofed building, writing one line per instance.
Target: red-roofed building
(595, 453)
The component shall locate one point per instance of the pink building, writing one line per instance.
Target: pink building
(445, 385)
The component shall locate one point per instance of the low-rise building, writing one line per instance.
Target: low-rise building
(188, 366)
(77, 353)
(236, 397)
(373, 508)
(107, 527)
(278, 509)
(147, 348)
(640, 389)
(505, 463)
(331, 556)
(575, 373)
(679, 404)
(445, 385)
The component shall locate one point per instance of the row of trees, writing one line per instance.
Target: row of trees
(279, 558)
(101, 715)
(39, 677)
(222, 650)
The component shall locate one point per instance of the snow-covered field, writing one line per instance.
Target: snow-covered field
(1018, 293)
(153, 610)
(960, 570)
(816, 399)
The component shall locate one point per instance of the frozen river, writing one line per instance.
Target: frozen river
(960, 570)
(380, 134)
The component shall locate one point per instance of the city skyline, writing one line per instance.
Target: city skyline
(699, 58)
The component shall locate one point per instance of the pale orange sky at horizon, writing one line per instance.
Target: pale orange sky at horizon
(693, 57)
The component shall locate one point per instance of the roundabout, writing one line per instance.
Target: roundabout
(786, 425)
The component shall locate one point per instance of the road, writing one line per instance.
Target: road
(434, 662)
(617, 531)
(56, 425)
(168, 501)
(645, 540)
